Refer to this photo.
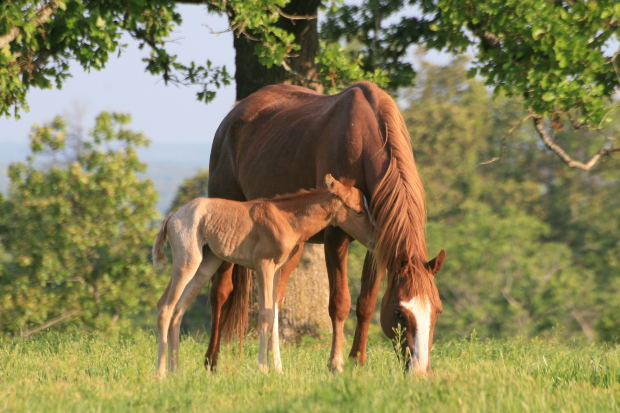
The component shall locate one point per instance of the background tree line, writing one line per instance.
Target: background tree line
(535, 243)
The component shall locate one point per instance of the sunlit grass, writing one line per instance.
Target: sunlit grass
(66, 372)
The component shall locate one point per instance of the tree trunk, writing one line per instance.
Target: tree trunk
(251, 75)
(305, 307)
(304, 310)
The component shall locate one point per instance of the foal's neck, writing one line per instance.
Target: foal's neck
(309, 213)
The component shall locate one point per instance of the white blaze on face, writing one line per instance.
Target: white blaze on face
(421, 310)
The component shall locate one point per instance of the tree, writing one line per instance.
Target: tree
(275, 41)
(77, 227)
(559, 57)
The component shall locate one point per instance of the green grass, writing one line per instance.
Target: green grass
(68, 372)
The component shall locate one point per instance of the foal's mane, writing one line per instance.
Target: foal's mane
(300, 194)
(293, 201)
(398, 206)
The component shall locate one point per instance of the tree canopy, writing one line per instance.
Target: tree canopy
(76, 229)
(531, 244)
(559, 57)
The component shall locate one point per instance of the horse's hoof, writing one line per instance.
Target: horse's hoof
(335, 366)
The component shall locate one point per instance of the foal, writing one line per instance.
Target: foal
(261, 235)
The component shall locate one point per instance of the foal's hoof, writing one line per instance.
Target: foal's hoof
(263, 368)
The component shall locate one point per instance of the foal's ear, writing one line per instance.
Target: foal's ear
(436, 263)
(351, 196)
(330, 181)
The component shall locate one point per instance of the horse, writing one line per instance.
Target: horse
(261, 235)
(283, 138)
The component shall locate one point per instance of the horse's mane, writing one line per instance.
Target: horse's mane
(398, 206)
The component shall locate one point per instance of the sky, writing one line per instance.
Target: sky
(165, 114)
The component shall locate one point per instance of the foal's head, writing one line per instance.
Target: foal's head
(352, 215)
(410, 307)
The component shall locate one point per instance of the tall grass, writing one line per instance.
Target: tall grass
(66, 372)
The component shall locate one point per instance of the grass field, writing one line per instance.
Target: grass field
(69, 372)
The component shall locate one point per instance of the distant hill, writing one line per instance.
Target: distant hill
(168, 164)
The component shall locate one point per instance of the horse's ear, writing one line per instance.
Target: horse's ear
(436, 263)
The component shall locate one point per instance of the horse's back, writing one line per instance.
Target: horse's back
(283, 138)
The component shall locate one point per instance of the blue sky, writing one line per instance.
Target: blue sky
(166, 114)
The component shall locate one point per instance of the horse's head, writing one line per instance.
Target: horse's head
(409, 309)
(353, 215)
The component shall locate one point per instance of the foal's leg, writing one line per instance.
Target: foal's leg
(183, 269)
(336, 251)
(371, 280)
(275, 334)
(282, 280)
(265, 275)
(210, 263)
(220, 291)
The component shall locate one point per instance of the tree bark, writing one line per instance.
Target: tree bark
(251, 75)
(304, 310)
(305, 306)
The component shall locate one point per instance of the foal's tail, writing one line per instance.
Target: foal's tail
(158, 247)
(235, 312)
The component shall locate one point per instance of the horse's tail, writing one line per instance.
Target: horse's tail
(235, 312)
(158, 246)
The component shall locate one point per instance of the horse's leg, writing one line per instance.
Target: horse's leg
(371, 280)
(220, 290)
(282, 280)
(210, 263)
(336, 250)
(265, 275)
(183, 269)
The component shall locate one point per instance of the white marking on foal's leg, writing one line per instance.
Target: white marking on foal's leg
(421, 310)
(275, 342)
(266, 306)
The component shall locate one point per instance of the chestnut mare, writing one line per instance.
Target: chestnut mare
(261, 235)
(283, 138)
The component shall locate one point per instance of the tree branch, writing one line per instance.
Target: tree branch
(49, 323)
(583, 324)
(539, 124)
(295, 17)
(42, 16)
